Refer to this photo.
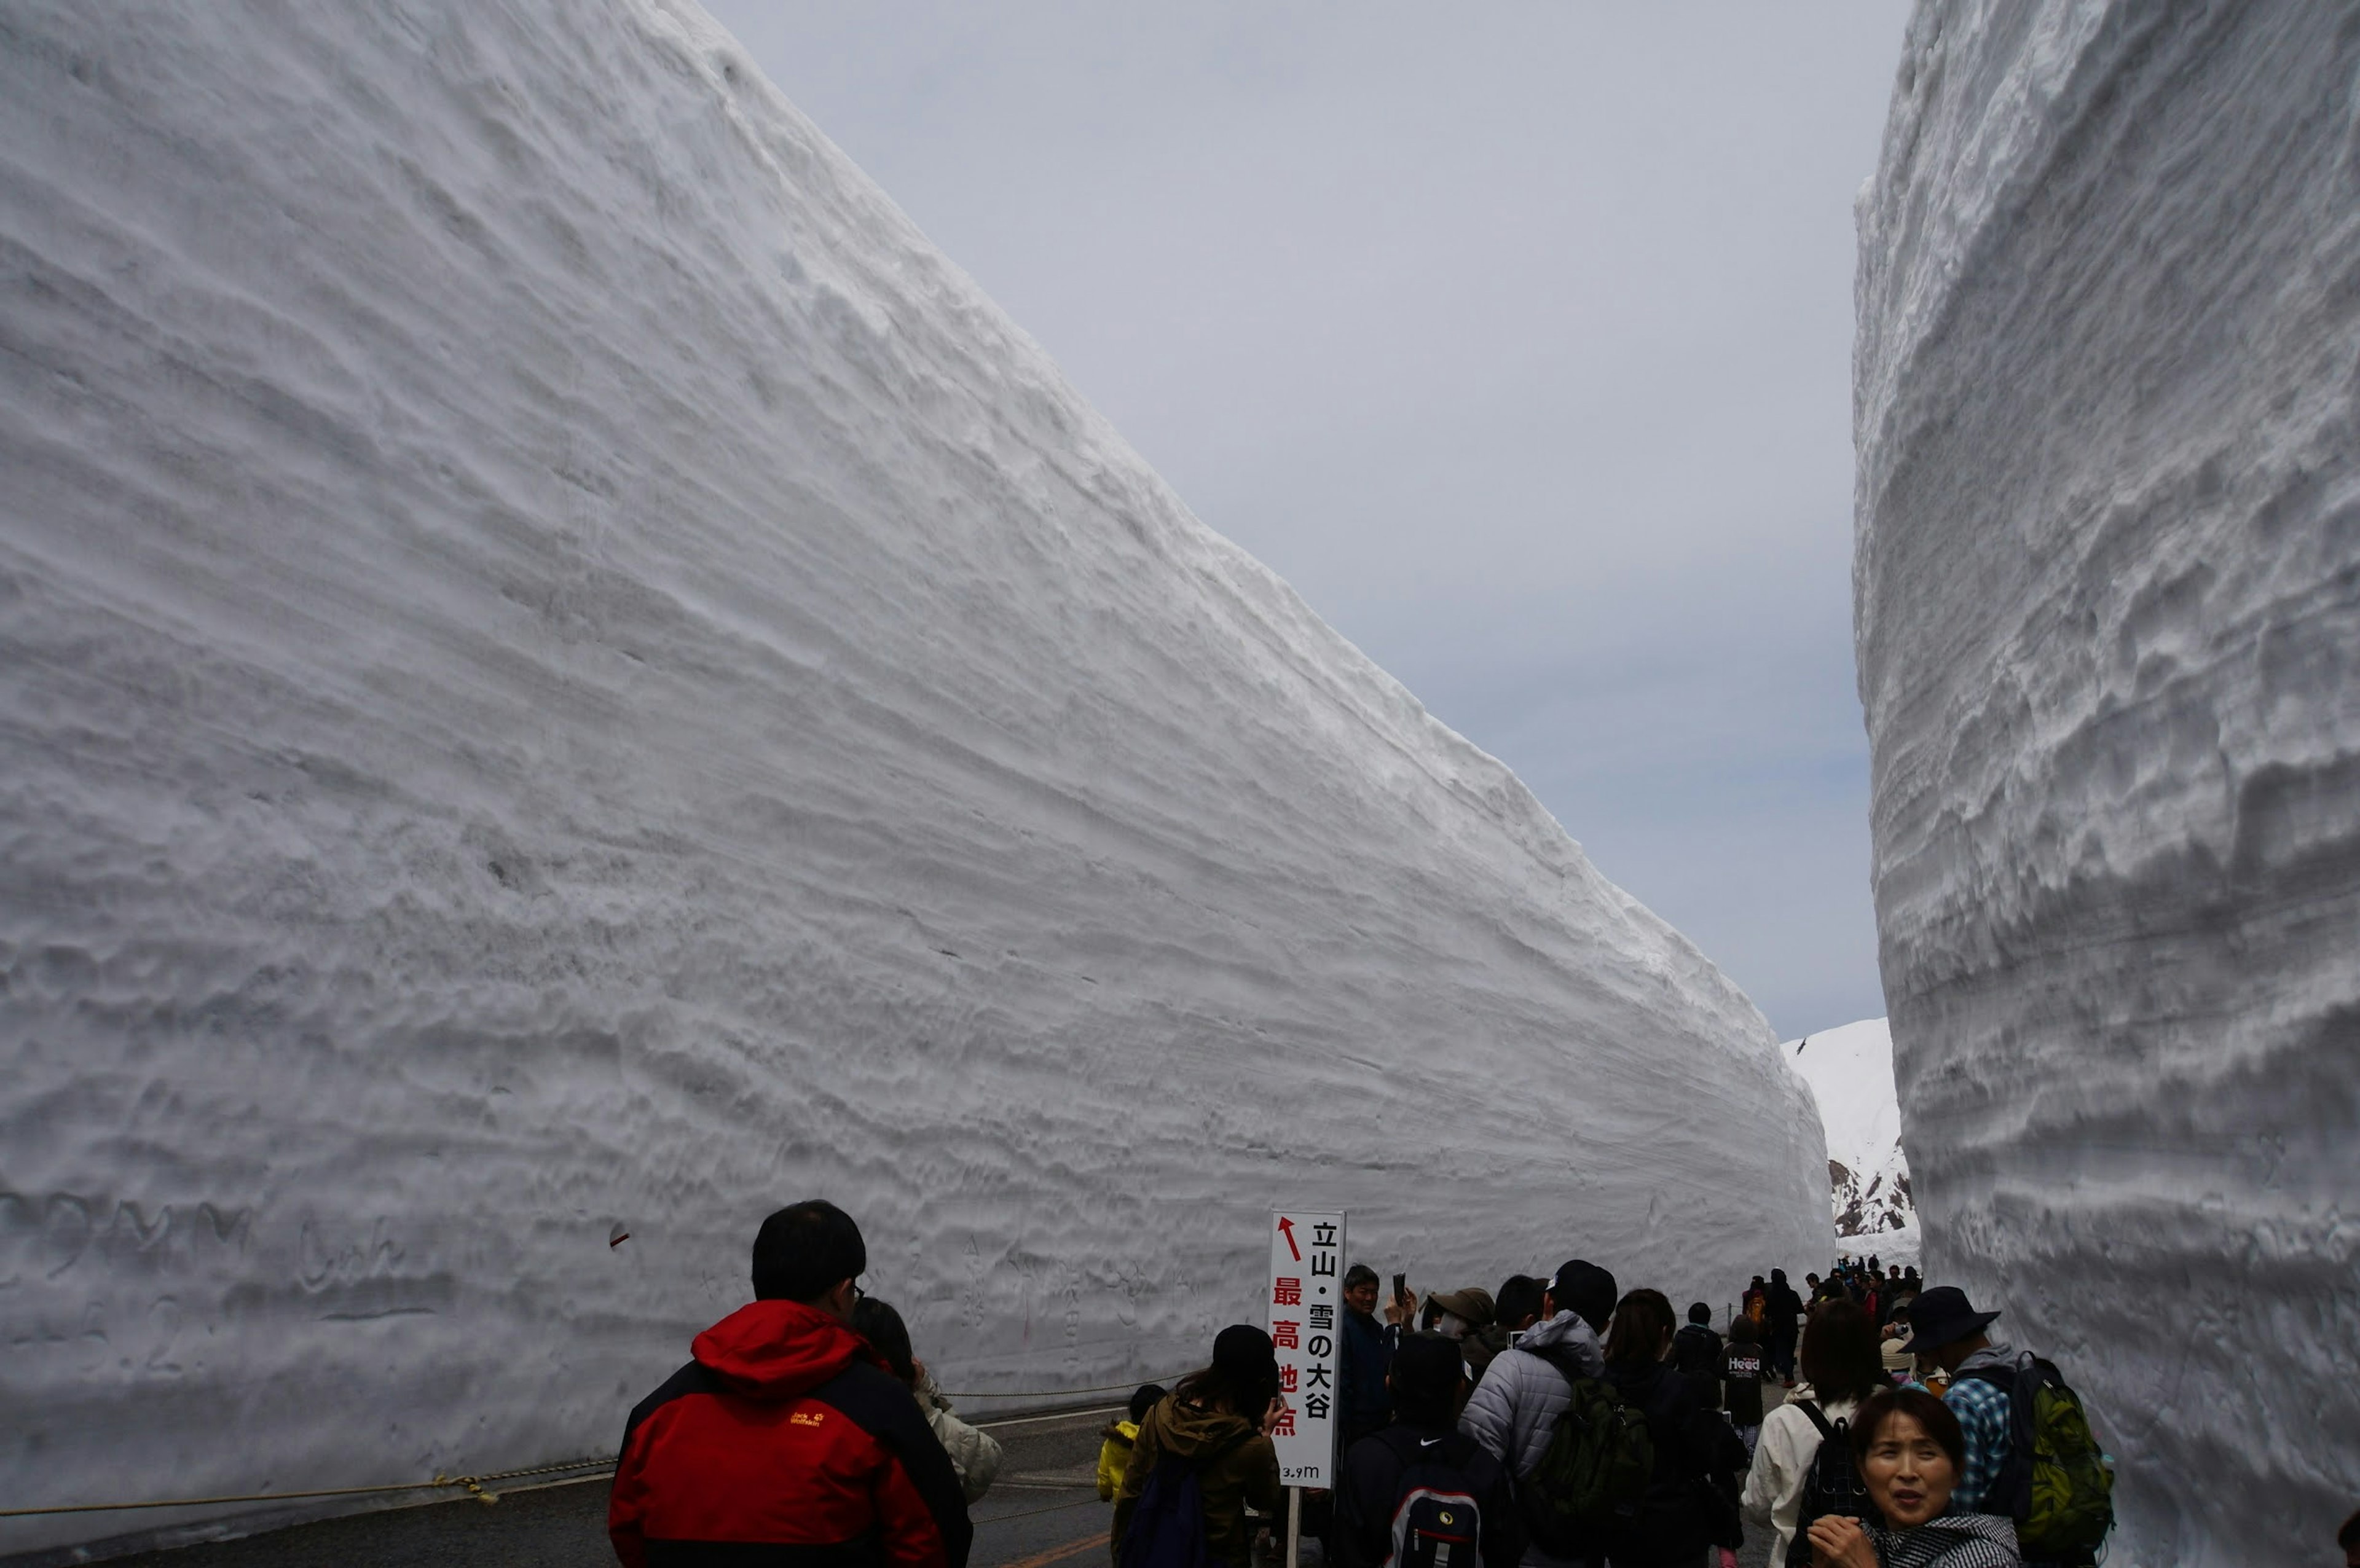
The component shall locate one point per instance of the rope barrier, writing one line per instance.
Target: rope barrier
(1061, 1393)
(474, 1486)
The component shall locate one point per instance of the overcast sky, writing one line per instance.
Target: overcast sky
(1517, 338)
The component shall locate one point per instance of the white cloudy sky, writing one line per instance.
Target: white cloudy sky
(1517, 337)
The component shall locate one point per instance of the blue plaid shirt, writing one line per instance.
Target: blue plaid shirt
(1982, 1410)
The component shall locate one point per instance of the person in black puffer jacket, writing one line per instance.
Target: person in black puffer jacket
(1690, 1504)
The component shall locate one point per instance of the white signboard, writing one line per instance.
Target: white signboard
(1307, 1310)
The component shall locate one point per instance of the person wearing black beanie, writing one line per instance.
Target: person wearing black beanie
(1514, 1407)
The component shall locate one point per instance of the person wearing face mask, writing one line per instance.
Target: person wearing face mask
(1911, 1452)
(1457, 1314)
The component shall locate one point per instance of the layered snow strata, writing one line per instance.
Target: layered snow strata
(566, 676)
(1850, 1070)
(2108, 589)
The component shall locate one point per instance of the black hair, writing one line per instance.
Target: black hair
(1587, 1290)
(1145, 1397)
(1700, 1314)
(1841, 1356)
(805, 1250)
(1243, 1375)
(1920, 1406)
(1425, 1378)
(1519, 1297)
(875, 1320)
(1359, 1274)
(1643, 1320)
(1241, 1393)
(2348, 1536)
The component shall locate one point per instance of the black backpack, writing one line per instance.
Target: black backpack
(1696, 1351)
(1167, 1526)
(1832, 1486)
(1438, 1520)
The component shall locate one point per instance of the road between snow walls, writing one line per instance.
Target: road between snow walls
(569, 680)
(2108, 590)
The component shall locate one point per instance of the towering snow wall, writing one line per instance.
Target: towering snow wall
(2108, 591)
(564, 672)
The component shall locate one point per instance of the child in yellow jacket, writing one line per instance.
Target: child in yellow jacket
(1114, 1453)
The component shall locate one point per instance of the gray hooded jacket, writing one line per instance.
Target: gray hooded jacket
(1515, 1407)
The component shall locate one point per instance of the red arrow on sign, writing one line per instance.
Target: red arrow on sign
(1286, 1229)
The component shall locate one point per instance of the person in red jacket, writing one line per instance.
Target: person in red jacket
(786, 1432)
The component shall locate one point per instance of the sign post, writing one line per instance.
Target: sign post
(1306, 1304)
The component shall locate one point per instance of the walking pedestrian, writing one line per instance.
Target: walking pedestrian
(1840, 1369)
(1677, 1518)
(1786, 1311)
(785, 1435)
(1421, 1494)
(973, 1452)
(1695, 1349)
(1742, 1370)
(1203, 1457)
(1995, 1391)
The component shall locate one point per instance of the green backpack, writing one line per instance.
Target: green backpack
(1590, 1481)
(2057, 1482)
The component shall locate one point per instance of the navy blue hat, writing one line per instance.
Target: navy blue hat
(1588, 1290)
(1942, 1315)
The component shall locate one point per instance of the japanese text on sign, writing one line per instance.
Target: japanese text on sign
(1307, 1252)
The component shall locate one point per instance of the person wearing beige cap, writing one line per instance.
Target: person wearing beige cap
(1458, 1314)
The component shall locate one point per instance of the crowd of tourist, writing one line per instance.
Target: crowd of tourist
(1560, 1421)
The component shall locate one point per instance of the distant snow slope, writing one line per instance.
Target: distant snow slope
(1850, 1070)
(564, 672)
(2109, 635)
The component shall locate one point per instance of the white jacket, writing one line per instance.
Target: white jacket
(1782, 1461)
(1514, 1407)
(975, 1454)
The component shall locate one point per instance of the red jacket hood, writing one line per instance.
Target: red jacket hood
(776, 1350)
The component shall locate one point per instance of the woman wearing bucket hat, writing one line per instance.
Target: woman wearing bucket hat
(1458, 1313)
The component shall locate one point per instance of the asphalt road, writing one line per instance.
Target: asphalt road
(1042, 1512)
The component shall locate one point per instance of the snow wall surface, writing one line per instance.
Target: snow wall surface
(564, 671)
(2108, 595)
